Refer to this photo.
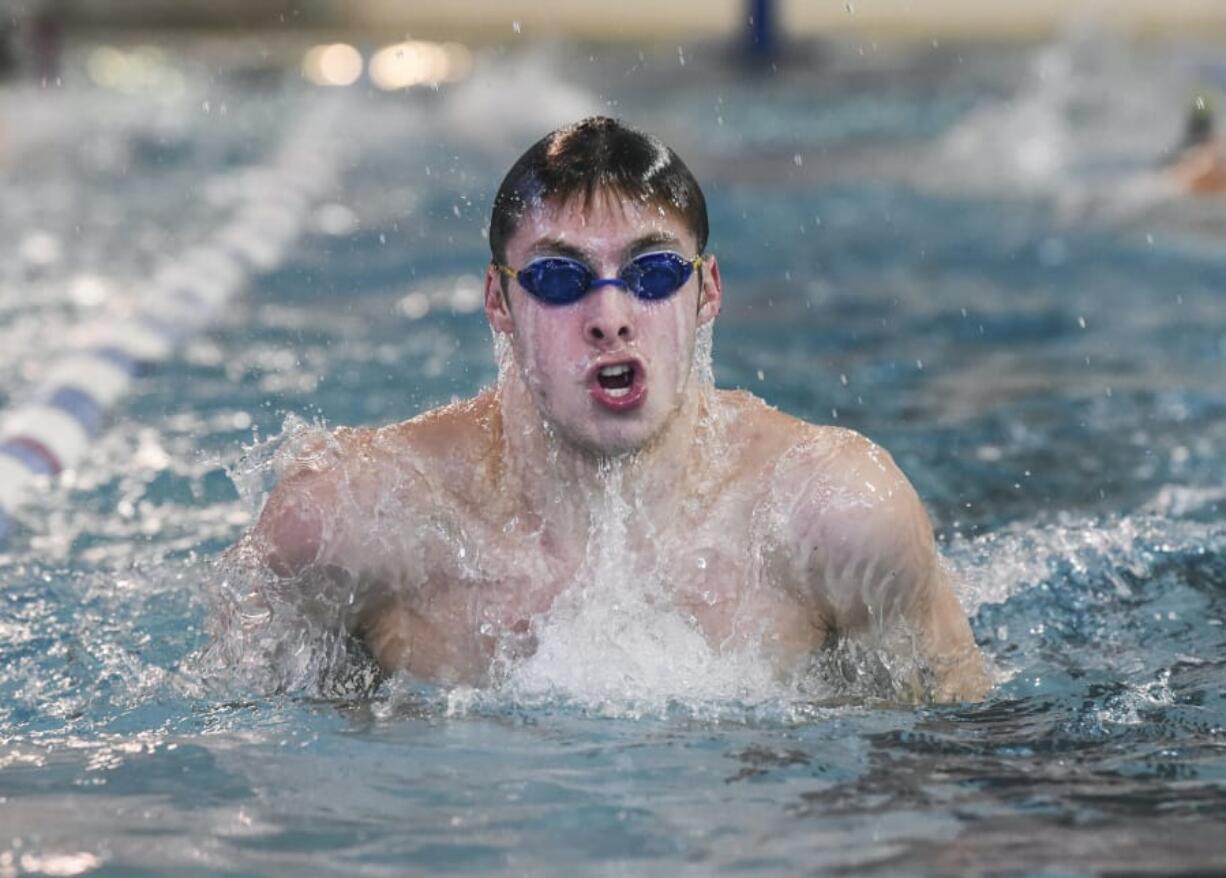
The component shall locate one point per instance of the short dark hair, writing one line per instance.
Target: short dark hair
(597, 153)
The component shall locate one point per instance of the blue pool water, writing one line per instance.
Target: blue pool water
(953, 250)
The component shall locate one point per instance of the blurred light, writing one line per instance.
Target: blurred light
(416, 62)
(336, 219)
(105, 66)
(59, 864)
(415, 305)
(460, 59)
(40, 248)
(143, 69)
(467, 295)
(89, 290)
(333, 64)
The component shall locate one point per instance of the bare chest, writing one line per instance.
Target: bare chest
(485, 585)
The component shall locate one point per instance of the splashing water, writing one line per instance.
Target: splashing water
(1094, 557)
(614, 642)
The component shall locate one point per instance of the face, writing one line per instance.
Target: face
(610, 371)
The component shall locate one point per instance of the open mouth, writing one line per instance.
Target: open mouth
(617, 380)
(619, 387)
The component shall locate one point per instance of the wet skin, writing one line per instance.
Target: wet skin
(1201, 170)
(446, 538)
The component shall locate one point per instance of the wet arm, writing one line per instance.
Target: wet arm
(870, 554)
(317, 541)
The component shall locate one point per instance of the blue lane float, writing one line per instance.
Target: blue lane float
(53, 429)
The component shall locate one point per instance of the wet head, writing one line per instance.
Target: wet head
(610, 371)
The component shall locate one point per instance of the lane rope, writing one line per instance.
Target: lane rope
(53, 429)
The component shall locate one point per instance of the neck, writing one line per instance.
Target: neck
(565, 486)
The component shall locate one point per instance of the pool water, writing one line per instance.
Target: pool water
(964, 252)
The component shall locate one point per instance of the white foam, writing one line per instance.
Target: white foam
(615, 643)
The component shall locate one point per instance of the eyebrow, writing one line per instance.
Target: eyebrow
(649, 242)
(559, 247)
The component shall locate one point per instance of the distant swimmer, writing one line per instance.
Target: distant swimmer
(1199, 162)
(443, 543)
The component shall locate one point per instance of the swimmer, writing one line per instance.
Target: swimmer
(445, 540)
(1199, 163)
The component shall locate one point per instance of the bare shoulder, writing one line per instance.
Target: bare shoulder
(337, 485)
(755, 431)
(843, 468)
(839, 492)
(419, 455)
(826, 459)
(452, 439)
(455, 448)
(862, 548)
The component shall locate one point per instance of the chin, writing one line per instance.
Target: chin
(605, 439)
(622, 446)
(607, 443)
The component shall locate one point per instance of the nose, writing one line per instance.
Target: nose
(609, 319)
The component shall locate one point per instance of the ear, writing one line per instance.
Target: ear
(497, 304)
(711, 293)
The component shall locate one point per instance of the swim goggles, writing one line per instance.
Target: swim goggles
(559, 280)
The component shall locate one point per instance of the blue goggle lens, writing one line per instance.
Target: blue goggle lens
(558, 280)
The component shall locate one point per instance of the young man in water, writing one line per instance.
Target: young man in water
(605, 451)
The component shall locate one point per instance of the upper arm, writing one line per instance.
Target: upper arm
(867, 551)
(290, 532)
(323, 512)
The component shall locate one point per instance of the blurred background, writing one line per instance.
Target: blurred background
(33, 29)
(987, 234)
(928, 160)
(635, 19)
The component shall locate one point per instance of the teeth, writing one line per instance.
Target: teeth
(620, 391)
(614, 371)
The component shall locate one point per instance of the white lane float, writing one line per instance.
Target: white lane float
(52, 430)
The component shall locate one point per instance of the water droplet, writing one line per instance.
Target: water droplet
(761, 375)
(681, 56)
(843, 380)
(797, 160)
(515, 26)
(850, 9)
(1081, 321)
